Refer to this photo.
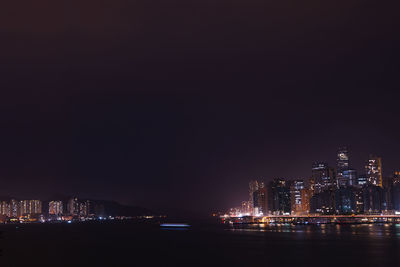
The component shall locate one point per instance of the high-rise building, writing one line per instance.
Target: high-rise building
(5, 208)
(260, 201)
(253, 187)
(295, 196)
(311, 184)
(349, 177)
(374, 199)
(56, 207)
(279, 197)
(24, 206)
(342, 160)
(343, 165)
(396, 191)
(345, 200)
(36, 206)
(84, 208)
(323, 176)
(396, 177)
(323, 202)
(362, 180)
(73, 206)
(359, 196)
(15, 210)
(373, 171)
(30, 207)
(306, 195)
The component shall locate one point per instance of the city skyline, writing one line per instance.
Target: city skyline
(337, 189)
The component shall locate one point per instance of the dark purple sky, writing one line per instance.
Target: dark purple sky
(178, 104)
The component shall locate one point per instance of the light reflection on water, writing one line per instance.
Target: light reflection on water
(368, 230)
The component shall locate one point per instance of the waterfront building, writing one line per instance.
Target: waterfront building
(345, 200)
(323, 202)
(373, 171)
(36, 206)
(14, 208)
(324, 177)
(84, 208)
(374, 199)
(261, 203)
(253, 187)
(24, 206)
(396, 196)
(279, 197)
(5, 208)
(359, 197)
(73, 206)
(295, 196)
(55, 207)
(306, 195)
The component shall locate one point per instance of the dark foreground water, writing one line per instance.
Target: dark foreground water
(132, 244)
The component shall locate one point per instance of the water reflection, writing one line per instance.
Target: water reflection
(366, 230)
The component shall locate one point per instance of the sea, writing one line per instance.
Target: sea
(130, 243)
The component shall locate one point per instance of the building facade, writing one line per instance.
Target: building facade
(373, 170)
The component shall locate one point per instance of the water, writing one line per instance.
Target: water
(128, 244)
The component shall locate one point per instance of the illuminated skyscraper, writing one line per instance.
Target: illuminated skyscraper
(36, 206)
(24, 207)
(373, 171)
(342, 161)
(30, 207)
(14, 208)
(253, 187)
(73, 206)
(323, 177)
(396, 177)
(323, 202)
(279, 197)
(345, 200)
(396, 191)
(306, 195)
(350, 177)
(261, 201)
(5, 208)
(55, 207)
(374, 199)
(295, 196)
(84, 208)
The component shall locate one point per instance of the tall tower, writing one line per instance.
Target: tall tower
(342, 161)
(253, 187)
(373, 169)
(295, 196)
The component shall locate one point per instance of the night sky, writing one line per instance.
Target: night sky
(176, 105)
